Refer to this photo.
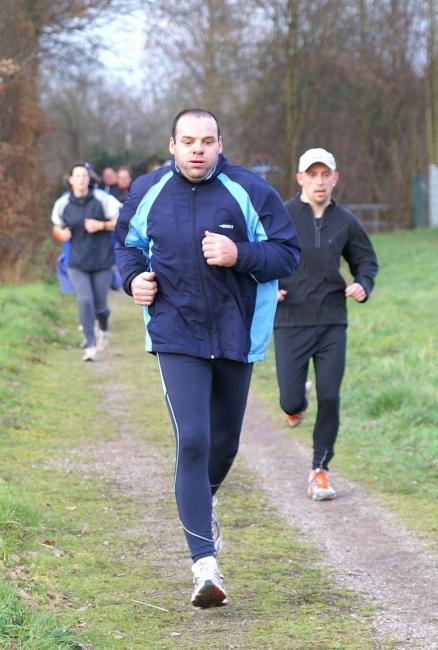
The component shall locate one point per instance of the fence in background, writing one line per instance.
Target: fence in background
(379, 217)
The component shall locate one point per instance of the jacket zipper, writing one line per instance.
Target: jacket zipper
(201, 277)
(318, 230)
(318, 242)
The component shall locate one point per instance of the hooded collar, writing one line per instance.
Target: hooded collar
(81, 200)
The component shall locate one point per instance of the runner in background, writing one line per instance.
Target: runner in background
(311, 318)
(124, 181)
(108, 180)
(86, 218)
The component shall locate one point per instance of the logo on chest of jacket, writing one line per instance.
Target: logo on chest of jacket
(226, 225)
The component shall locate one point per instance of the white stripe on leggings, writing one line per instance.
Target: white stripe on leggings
(172, 413)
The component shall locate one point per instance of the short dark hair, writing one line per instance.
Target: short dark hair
(79, 163)
(199, 112)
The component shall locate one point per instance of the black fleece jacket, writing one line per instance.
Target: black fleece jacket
(89, 251)
(316, 291)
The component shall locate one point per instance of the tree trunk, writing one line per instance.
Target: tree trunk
(433, 83)
(291, 125)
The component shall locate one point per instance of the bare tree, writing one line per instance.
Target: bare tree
(282, 75)
(29, 31)
(206, 50)
(433, 81)
(292, 126)
(90, 115)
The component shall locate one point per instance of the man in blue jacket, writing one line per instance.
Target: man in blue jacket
(201, 244)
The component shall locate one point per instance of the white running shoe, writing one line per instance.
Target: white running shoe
(215, 528)
(102, 340)
(90, 354)
(208, 583)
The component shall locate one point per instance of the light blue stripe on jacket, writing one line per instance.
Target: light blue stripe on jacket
(137, 235)
(266, 297)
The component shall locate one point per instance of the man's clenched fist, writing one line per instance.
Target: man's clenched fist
(219, 250)
(144, 288)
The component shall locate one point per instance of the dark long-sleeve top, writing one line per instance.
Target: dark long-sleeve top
(316, 291)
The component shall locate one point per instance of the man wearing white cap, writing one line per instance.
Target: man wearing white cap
(311, 318)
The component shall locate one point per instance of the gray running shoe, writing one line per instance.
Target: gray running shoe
(103, 340)
(215, 527)
(208, 590)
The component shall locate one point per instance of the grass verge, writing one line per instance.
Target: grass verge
(28, 320)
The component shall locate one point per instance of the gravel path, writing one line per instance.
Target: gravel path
(365, 544)
(138, 468)
(365, 547)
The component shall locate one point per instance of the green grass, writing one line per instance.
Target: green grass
(21, 628)
(79, 563)
(28, 318)
(389, 399)
(18, 520)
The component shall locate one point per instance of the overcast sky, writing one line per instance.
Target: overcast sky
(125, 54)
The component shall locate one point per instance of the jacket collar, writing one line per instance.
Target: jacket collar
(308, 208)
(213, 174)
(81, 200)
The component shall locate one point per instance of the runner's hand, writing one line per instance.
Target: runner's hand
(281, 295)
(219, 250)
(144, 288)
(61, 234)
(94, 225)
(356, 291)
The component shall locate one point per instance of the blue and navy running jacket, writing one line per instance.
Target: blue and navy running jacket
(201, 310)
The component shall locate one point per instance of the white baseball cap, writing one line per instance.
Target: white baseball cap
(312, 156)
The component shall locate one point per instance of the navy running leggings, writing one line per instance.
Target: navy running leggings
(206, 399)
(294, 347)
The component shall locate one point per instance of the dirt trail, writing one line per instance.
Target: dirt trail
(366, 545)
(138, 468)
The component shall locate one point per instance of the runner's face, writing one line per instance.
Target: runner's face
(196, 146)
(109, 176)
(123, 179)
(79, 181)
(317, 183)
